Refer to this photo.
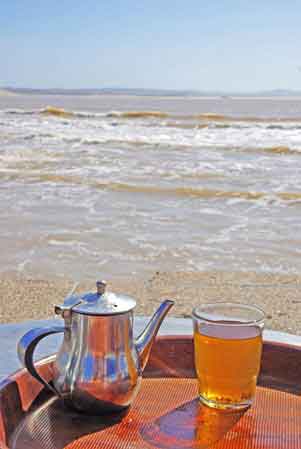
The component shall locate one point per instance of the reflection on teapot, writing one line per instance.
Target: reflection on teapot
(99, 365)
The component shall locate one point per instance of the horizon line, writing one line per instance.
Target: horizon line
(153, 91)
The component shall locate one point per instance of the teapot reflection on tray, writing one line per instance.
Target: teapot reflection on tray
(99, 365)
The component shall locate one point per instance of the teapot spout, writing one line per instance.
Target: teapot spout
(146, 338)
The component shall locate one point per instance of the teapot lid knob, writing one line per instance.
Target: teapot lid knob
(101, 287)
(101, 302)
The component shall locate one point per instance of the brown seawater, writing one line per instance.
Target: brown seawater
(121, 185)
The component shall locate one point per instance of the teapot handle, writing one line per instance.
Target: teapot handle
(26, 347)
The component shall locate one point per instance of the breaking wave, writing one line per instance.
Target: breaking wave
(139, 114)
(279, 150)
(220, 119)
(195, 192)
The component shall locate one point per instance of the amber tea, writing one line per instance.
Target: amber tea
(227, 359)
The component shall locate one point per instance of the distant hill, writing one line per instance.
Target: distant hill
(104, 91)
(6, 92)
(148, 92)
(281, 93)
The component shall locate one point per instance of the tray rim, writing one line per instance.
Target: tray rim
(268, 345)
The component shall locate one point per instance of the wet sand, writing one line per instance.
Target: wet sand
(279, 295)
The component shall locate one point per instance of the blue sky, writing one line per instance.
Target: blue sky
(214, 45)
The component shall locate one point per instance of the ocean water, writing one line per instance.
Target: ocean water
(107, 186)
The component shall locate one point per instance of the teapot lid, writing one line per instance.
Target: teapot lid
(100, 303)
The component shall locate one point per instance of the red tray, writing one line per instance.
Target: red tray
(166, 413)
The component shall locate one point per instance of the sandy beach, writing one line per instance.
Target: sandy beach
(278, 295)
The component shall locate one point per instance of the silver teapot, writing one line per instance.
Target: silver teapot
(99, 365)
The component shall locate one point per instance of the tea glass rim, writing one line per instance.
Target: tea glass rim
(197, 314)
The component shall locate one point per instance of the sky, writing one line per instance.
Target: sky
(223, 45)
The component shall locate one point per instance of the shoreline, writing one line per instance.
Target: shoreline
(27, 298)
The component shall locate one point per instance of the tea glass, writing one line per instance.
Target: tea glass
(227, 353)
